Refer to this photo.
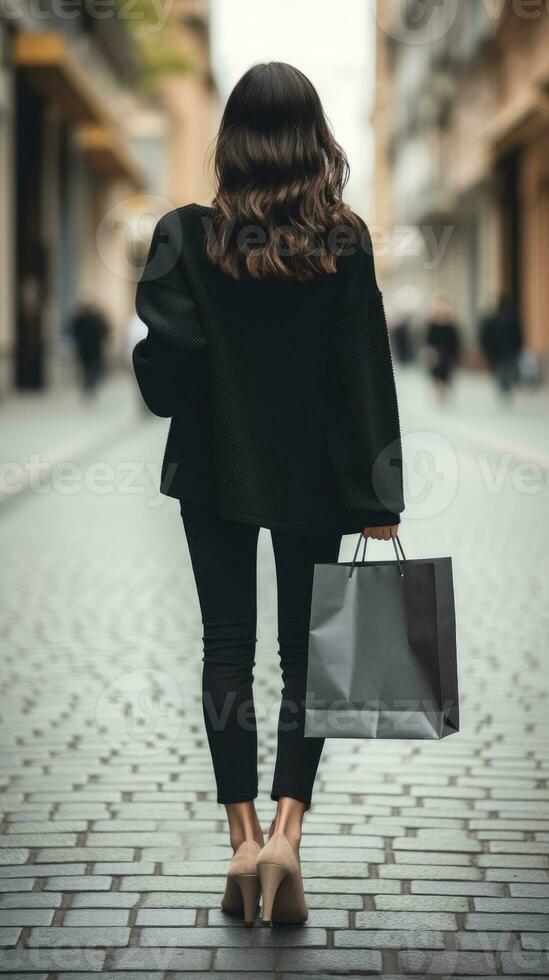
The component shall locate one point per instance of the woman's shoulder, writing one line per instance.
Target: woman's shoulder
(357, 255)
(185, 214)
(179, 229)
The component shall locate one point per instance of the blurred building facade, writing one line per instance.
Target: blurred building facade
(83, 151)
(65, 161)
(175, 128)
(461, 122)
(191, 102)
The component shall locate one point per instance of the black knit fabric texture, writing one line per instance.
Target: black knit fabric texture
(281, 394)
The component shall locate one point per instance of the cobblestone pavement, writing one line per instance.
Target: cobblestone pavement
(420, 858)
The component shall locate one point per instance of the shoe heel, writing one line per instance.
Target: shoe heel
(249, 889)
(270, 876)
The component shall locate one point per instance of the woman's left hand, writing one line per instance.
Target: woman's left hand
(381, 533)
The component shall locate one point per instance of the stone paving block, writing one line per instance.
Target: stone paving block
(47, 827)
(138, 958)
(202, 852)
(80, 797)
(329, 976)
(231, 936)
(531, 875)
(437, 921)
(457, 888)
(119, 975)
(337, 961)
(492, 835)
(438, 840)
(529, 890)
(515, 921)
(184, 883)
(67, 883)
(165, 917)
(37, 840)
(368, 886)
(389, 938)
(451, 963)
(107, 900)
(23, 814)
(118, 826)
(323, 855)
(160, 975)
(521, 963)
(447, 859)
(513, 861)
(133, 839)
(25, 917)
(96, 917)
(123, 868)
(180, 900)
(535, 940)
(87, 810)
(41, 870)
(427, 871)
(335, 869)
(511, 905)
(33, 976)
(81, 936)
(16, 885)
(496, 941)
(13, 855)
(9, 936)
(249, 961)
(61, 855)
(15, 961)
(30, 900)
(421, 903)
(518, 847)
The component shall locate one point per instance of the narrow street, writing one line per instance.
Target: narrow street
(419, 857)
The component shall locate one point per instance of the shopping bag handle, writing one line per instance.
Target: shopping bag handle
(395, 540)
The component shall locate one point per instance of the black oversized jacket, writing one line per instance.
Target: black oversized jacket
(281, 394)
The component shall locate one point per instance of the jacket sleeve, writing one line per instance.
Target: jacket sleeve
(363, 427)
(165, 305)
(156, 364)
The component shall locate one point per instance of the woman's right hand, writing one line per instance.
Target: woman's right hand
(381, 533)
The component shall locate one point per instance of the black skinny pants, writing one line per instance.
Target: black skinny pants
(224, 558)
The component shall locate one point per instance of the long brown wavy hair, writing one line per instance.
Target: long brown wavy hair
(278, 210)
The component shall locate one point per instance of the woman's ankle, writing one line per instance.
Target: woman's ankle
(243, 824)
(293, 834)
(288, 820)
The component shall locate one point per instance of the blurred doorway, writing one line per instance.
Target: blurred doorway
(30, 252)
(511, 226)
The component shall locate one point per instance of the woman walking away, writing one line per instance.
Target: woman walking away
(267, 346)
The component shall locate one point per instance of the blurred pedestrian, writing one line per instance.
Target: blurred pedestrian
(500, 341)
(403, 344)
(89, 330)
(443, 344)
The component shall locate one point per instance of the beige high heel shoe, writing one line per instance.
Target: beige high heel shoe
(243, 889)
(281, 880)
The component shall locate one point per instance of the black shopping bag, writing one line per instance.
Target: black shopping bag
(382, 650)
